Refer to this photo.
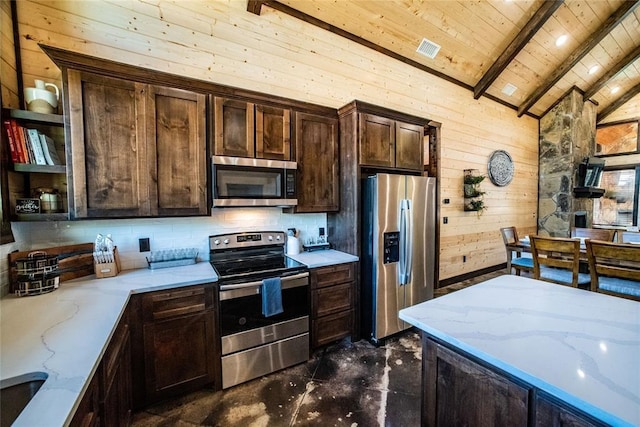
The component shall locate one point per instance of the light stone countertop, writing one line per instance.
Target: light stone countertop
(580, 346)
(65, 332)
(323, 258)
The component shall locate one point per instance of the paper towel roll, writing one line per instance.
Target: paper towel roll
(293, 245)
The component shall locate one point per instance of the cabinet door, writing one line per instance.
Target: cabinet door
(549, 413)
(117, 401)
(273, 133)
(453, 382)
(409, 142)
(377, 141)
(179, 355)
(88, 412)
(178, 166)
(317, 154)
(234, 128)
(108, 147)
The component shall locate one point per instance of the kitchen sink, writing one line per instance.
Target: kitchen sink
(15, 394)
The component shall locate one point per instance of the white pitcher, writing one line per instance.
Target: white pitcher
(41, 100)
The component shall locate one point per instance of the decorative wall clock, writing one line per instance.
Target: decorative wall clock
(500, 168)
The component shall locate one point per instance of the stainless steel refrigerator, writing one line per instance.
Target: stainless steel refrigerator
(398, 248)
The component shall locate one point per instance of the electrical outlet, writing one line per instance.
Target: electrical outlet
(464, 258)
(447, 201)
(321, 231)
(144, 244)
(445, 220)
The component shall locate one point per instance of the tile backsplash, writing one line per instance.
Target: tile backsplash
(163, 233)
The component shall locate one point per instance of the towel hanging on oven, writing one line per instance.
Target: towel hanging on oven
(271, 297)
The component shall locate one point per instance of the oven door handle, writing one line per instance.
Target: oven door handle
(286, 283)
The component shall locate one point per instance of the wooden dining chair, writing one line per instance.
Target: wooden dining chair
(557, 260)
(603, 234)
(615, 268)
(519, 263)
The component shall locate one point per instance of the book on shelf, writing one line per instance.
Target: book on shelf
(49, 150)
(21, 147)
(36, 146)
(13, 148)
(30, 146)
(31, 157)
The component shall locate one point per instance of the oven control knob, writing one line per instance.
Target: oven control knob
(270, 238)
(225, 241)
(216, 242)
(278, 237)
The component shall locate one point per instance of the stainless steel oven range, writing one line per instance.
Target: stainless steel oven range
(254, 344)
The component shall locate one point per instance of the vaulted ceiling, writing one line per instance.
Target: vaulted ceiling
(487, 46)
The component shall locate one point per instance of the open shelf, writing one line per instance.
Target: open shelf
(31, 168)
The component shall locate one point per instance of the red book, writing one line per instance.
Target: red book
(12, 141)
(20, 146)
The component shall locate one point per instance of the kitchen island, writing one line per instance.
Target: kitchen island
(518, 351)
(63, 334)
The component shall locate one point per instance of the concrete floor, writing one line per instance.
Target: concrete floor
(345, 384)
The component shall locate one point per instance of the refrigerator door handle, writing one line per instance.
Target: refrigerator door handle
(406, 257)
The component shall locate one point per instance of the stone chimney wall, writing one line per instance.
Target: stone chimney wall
(567, 136)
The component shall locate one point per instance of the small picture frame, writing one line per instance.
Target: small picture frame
(617, 138)
(28, 206)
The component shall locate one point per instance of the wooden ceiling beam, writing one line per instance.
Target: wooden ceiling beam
(614, 71)
(255, 6)
(527, 32)
(626, 97)
(612, 21)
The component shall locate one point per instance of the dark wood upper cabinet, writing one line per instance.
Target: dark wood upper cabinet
(137, 150)
(317, 154)
(234, 128)
(245, 129)
(273, 133)
(178, 133)
(390, 143)
(409, 146)
(377, 144)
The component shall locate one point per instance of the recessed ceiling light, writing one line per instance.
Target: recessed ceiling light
(594, 69)
(615, 89)
(561, 40)
(509, 89)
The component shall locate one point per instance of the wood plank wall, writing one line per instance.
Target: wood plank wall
(219, 41)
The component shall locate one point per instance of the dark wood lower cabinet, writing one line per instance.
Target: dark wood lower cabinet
(116, 395)
(175, 350)
(178, 355)
(108, 399)
(88, 412)
(551, 413)
(332, 303)
(459, 391)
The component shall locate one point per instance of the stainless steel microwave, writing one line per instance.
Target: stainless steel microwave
(239, 182)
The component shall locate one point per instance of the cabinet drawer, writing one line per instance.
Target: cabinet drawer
(175, 303)
(331, 328)
(332, 299)
(333, 275)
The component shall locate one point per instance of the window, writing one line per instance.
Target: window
(619, 204)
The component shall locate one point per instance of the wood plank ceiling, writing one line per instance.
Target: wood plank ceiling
(486, 46)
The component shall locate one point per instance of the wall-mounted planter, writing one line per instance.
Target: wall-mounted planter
(473, 200)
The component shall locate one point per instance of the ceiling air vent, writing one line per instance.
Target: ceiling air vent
(428, 48)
